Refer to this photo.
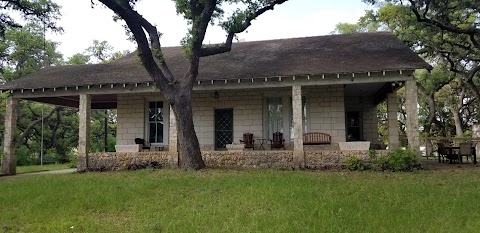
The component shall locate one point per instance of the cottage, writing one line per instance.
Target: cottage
(327, 84)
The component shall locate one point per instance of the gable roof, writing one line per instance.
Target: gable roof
(333, 54)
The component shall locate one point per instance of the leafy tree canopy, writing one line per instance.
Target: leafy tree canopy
(45, 11)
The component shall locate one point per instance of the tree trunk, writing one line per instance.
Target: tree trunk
(190, 157)
(456, 114)
(105, 131)
(431, 113)
(458, 123)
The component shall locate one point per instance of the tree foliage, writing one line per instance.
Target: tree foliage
(24, 50)
(45, 11)
(446, 34)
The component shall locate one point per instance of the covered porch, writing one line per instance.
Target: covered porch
(291, 105)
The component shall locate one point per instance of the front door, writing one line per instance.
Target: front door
(223, 128)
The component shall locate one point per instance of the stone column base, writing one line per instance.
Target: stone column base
(173, 159)
(82, 163)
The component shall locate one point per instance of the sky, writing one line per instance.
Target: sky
(296, 18)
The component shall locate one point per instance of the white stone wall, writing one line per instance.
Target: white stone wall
(370, 124)
(131, 116)
(327, 111)
(325, 104)
(247, 114)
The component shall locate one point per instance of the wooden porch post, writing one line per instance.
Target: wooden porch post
(172, 140)
(9, 161)
(393, 127)
(298, 154)
(84, 132)
(411, 102)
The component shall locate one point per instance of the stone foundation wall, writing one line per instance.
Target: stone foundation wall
(127, 160)
(324, 159)
(249, 159)
(278, 159)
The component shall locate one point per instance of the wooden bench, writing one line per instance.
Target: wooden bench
(316, 138)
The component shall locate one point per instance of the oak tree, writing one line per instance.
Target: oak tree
(178, 90)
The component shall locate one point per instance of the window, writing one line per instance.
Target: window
(354, 126)
(156, 122)
(274, 116)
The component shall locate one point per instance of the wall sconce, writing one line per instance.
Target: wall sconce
(216, 95)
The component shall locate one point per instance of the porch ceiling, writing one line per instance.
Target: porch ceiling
(98, 101)
(362, 89)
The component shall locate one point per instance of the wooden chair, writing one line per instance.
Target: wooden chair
(248, 141)
(465, 149)
(443, 153)
(142, 143)
(278, 141)
(446, 154)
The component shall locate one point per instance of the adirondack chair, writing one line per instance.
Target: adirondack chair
(248, 141)
(277, 141)
(141, 142)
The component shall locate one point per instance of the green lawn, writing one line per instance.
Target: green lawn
(36, 168)
(242, 201)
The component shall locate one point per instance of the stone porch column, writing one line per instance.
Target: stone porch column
(411, 103)
(298, 154)
(9, 161)
(84, 132)
(172, 140)
(393, 127)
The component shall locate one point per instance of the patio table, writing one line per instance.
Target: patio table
(262, 142)
(452, 149)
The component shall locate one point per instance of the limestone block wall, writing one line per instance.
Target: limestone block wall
(327, 111)
(370, 124)
(131, 115)
(247, 114)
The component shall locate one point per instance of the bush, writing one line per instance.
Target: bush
(25, 156)
(355, 164)
(399, 160)
(72, 157)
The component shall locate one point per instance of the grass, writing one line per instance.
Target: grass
(242, 201)
(36, 168)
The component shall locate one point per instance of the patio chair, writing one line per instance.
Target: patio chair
(278, 141)
(465, 149)
(443, 153)
(142, 143)
(248, 141)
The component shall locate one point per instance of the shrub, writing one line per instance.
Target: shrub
(399, 160)
(25, 156)
(72, 157)
(355, 164)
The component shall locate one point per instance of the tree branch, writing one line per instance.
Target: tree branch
(227, 46)
(471, 32)
(136, 23)
(29, 128)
